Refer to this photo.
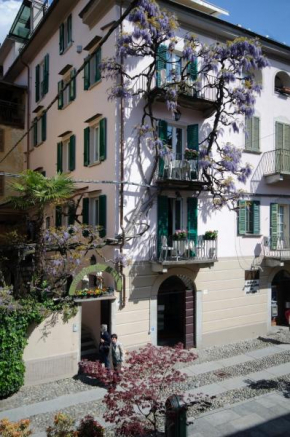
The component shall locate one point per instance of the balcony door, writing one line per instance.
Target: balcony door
(282, 145)
(279, 226)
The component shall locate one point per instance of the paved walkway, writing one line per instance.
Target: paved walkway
(268, 415)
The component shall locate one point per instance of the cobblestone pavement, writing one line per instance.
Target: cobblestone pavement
(250, 382)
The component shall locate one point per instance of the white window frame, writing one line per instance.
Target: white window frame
(95, 133)
(41, 79)
(94, 217)
(174, 140)
(65, 155)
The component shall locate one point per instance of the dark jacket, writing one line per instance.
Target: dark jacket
(105, 346)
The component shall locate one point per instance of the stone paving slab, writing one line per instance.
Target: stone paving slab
(263, 374)
(53, 405)
(280, 370)
(233, 383)
(265, 352)
(251, 418)
(237, 359)
(211, 366)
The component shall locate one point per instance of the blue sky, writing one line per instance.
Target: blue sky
(265, 17)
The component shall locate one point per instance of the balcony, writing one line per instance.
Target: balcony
(175, 171)
(276, 165)
(200, 98)
(171, 253)
(276, 250)
(12, 114)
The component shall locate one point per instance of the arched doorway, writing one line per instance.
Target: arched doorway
(280, 299)
(176, 312)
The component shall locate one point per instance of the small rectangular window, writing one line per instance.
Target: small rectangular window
(42, 78)
(39, 130)
(92, 71)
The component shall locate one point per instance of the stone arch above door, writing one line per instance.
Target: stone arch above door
(96, 268)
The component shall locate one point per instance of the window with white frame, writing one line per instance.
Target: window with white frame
(95, 142)
(66, 154)
(92, 71)
(95, 211)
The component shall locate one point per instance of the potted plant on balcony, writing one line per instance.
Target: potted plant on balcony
(210, 235)
(190, 154)
(180, 234)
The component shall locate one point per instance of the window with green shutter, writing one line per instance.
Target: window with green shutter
(192, 219)
(103, 215)
(72, 153)
(92, 71)
(72, 85)
(274, 209)
(39, 129)
(60, 94)
(71, 215)
(192, 70)
(103, 139)
(161, 65)
(192, 137)
(86, 146)
(162, 220)
(46, 75)
(65, 35)
(59, 158)
(162, 132)
(37, 83)
(249, 217)
(86, 210)
(252, 134)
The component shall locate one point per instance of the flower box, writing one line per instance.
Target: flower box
(190, 154)
(179, 234)
(210, 235)
(93, 292)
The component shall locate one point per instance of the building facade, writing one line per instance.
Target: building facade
(202, 290)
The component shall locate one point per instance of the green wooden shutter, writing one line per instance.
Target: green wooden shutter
(161, 62)
(59, 158)
(72, 153)
(162, 132)
(242, 217)
(87, 74)
(192, 69)
(69, 29)
(43, 127)
(86, 208)
(103, 139)
(286, 145)
(35, 136)
(72, 85)
(60, 94)
(86, 146)
(97, 60)
(256, 133)
(162, 220)
(103, 215)
(192, 218)
(71, 215)
(58, 216)
(37, 83)
(274, 225)
(256, 217)
(279, 135)
(61, 38)
(248, 133)
(46, 74)
(192, 136)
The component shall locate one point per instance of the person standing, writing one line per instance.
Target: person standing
(117, 353)
(104, 347)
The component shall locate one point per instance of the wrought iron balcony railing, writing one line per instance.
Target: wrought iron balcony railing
(166, 250)
(276, 161)
(277, 247)
(178, 167)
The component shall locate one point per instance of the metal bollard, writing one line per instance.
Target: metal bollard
(175, 422)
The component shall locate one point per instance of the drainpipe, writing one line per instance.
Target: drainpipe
(28, 114)
(121, 190)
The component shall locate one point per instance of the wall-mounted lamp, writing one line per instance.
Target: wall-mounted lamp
(177, 115)
(79, 49)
